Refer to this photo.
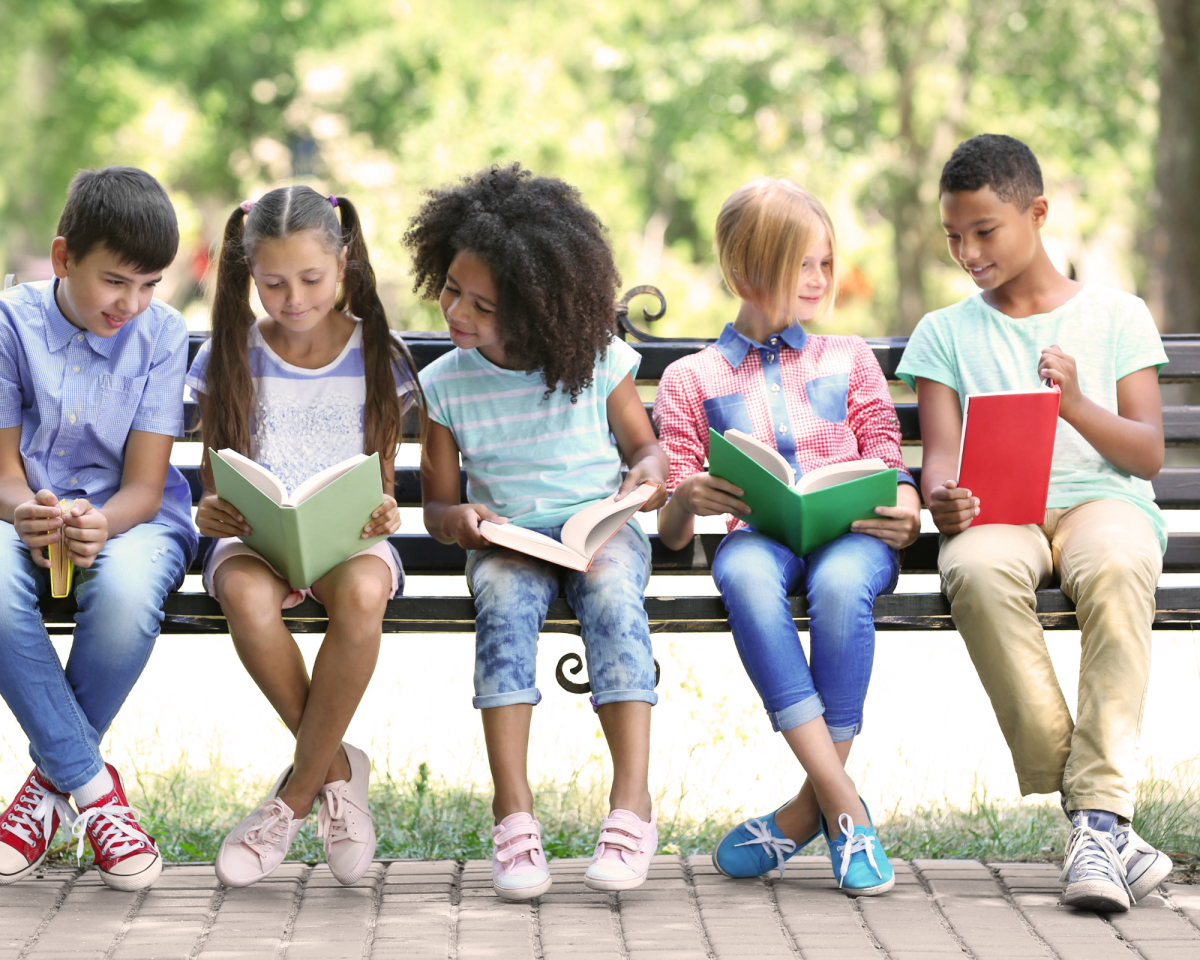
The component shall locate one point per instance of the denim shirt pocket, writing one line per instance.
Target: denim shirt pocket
(728, 413)
(827, 396)
(120, 398)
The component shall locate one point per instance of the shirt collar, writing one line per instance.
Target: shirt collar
(60, 331)
(733, 346)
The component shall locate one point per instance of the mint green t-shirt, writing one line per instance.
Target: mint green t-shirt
(974, 348)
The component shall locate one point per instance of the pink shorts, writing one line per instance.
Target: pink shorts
(228, 547)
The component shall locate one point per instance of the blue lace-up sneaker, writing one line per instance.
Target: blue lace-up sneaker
(1093, 869)
(756, 847)
(1145, 867)
(860, 864)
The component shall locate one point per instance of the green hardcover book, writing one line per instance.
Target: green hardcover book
(803, 515)
(306, 534)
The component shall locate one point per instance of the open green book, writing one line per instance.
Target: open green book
(804, 515)
(306, 534)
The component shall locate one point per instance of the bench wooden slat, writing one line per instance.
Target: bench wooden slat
(199, 613)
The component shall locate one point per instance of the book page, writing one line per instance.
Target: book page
(319, 481)
(835, 473)
(589, 529)
(262, 478)
(532, 543)
(766, 457)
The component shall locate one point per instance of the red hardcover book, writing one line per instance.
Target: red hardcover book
(1007, 448)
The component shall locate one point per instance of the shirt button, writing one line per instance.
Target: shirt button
(774, 341)
(62, 453)
(774, 388)
(74, 479)
(783, 428)
(75, 369)
(79, 337)
(71, 418)
(770, 357)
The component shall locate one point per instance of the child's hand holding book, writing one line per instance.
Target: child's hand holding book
(461, 524)
(704, 495)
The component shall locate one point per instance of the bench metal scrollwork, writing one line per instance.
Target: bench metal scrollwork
(576, 667)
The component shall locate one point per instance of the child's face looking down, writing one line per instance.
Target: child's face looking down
(297, 279)
(100, 293)
(992, 239)
(816, 273)
(468, 303)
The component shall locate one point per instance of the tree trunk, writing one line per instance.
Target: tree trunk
(1176, 248)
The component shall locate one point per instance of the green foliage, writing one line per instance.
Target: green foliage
(657, 109)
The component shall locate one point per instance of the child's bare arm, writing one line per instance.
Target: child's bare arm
(700, 495)
(1130, 439)
(940, 411)
(216, 517)
(637, 443)
(447, 518)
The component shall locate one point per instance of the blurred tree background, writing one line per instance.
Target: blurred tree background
(656, 109)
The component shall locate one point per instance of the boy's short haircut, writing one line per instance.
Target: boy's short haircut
(124, 209)
(994, 160)
(764, 231)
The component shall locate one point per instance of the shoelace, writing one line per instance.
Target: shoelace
(267, 833)
(335, 817)
(509, 849)
(619, 833)
(857, 843)
(1097, 856)
(115, 834)
(776, 846)
(32, 815)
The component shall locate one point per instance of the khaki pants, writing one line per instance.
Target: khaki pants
(1108, 559)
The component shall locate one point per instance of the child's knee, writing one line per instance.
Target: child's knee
(361, 596)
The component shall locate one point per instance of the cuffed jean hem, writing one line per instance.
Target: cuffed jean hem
(842, 734)
(624, 696)
(531, 695)
(797, 714)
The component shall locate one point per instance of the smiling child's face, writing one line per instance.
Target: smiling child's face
(297, 279)
(468, 303)
(100, 293)
(991, 239)
(816, 273)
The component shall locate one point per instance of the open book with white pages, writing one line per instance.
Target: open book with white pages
(582, 536)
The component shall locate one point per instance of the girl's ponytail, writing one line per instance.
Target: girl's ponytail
(228, 387)
(382, 352)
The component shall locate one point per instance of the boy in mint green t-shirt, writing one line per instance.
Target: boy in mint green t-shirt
(1103, 535)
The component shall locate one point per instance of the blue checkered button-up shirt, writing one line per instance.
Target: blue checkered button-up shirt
(76, 396)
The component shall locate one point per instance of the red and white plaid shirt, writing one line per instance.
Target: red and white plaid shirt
(817, 399)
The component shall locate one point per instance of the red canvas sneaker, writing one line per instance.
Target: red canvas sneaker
(28, 825)
(126, 856)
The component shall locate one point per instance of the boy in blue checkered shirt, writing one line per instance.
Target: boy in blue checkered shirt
(91, 399)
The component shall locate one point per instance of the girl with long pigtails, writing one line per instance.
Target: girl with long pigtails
(318, 379)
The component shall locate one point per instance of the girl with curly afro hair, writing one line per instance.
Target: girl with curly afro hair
(532, 401)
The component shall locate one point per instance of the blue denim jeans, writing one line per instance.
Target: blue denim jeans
(755, 574)
(512, 594)
(65, 712)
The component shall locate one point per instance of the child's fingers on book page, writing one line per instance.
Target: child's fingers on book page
(35, 554)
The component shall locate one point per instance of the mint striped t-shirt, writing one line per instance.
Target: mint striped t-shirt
(533, 460)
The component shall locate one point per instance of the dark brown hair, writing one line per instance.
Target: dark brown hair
(230, 391)
(548, 255)
(124, 209)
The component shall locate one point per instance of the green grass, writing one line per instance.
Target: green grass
(423, 816)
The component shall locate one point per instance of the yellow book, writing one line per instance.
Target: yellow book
(61, 568)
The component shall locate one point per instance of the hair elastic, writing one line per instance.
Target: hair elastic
(247, 205)
(332, 200)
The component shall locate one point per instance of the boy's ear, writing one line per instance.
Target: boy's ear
(59, 257)
(1039, 209)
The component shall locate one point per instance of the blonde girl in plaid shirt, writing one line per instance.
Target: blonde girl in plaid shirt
(818, 400)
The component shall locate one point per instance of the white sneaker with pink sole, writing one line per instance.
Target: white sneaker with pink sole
(519, 870)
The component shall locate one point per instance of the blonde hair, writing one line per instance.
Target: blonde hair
(764, 231)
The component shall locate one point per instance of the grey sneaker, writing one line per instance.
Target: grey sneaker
(1093, 869)
(1145, 867)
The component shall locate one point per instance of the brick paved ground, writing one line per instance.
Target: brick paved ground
(685, 911)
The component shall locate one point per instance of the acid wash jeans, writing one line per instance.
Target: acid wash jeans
(755, 574)
(512, 594)
(66, 712)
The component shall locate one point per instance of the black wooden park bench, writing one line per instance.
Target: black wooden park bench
(1177, 608)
